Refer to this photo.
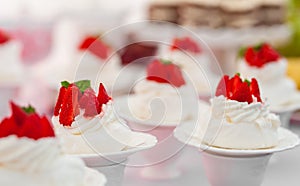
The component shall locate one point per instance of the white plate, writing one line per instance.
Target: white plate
(121, 106)
(287, 140)
(105, 159)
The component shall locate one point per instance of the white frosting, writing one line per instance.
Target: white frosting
(239, 125)
(159, 102)
(195, 67)
(275, 86)
(11, 71)
(103, 133)
(29, 162)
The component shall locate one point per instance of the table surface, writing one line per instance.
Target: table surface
(283, 169)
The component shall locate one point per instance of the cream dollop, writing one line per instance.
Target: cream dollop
(103, 133)
(29, 162)
(239, 125)
(160, 102)
(273, 82)
(11, 71)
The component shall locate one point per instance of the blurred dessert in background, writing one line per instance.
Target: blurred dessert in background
(269, 67)
(217, 13)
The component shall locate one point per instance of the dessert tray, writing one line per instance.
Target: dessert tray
(287, 140)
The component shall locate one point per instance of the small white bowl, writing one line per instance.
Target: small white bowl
(112, 165)
(285, 113)
(231, 167)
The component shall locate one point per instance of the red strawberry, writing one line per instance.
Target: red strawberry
(62, 92)
(95, 46)
(102, 97)
(26, 123)
(69, 108)
(260, 55)
(235, 89)
(186, 44)
(221, 88)
(163, 71)
(89, 103)
(242, 93)
(254, 89)
(3, 37)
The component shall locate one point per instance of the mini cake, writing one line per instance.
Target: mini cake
(266, 64)
(165, 83)
(11, 71)
(187, 54)
(97, 61)
(239, 119)
(194, 13)
(30, 155)
(86, 123)
(162, 10)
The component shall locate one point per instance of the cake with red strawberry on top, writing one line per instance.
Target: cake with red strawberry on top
(11, 71)
(188, 54)
(269, 67)
(30, 154)
(238, 117)
(97, 61)
(162, 94)
(86, 122)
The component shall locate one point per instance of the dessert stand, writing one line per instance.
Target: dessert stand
(112, 165)
(229, 167)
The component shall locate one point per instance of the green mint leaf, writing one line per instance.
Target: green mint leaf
(247, 81)
(65, 84)
(29, 109)
(239, 74)
(83, 85)
(166, 61)
(258, 47)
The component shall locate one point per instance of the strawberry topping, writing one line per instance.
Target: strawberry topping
(163, 71)
(260, 55)
(186, 44)
(236, 89)
(76, 96)
(95, 46)
(4, 37)
(25, 122)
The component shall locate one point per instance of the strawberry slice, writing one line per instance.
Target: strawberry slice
(62, 92)
(25, 122)
(69, 108)
(221, 88)
(187, 44)
(102, 97)
(164, 71)
(254, 89)
(236, 89)
(4, 37)
(95, 46)
(269, 54)
(89, 103)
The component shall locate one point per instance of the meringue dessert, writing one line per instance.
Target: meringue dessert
(266, 64)
(87, 124)
(30, 154)
(239, 119)
(162, 95)
(96, 60)
(10, 53)
(189, 56)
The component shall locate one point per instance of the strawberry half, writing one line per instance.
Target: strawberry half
(89, 103)
(95, 46)
(236, 89)
(25, 122)
(187, 44)
(4, 37)
(260, 55)
(164, 71)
